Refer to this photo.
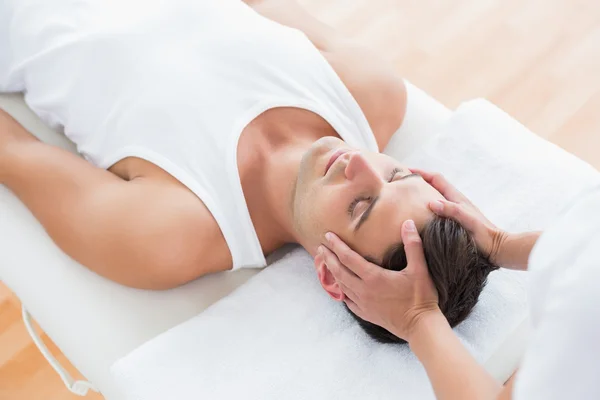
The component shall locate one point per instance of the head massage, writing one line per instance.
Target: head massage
(364, 198)
(374, 208)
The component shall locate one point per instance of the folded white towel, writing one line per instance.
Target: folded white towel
(281, 337)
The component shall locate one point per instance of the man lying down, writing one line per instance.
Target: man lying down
(215, 132)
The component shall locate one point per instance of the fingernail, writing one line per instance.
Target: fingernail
(320, 250)
(410, 226)
(328, 236)
(437, 206)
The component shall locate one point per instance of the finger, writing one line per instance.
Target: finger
(413, 246)
(454, 211)
(348, 257)
(348, 292)
(441, 184)
(339, 271)
(427, 175)
(354, 308)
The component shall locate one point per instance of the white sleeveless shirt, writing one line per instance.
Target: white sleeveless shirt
(173, 82)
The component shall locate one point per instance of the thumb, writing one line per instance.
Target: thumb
(413, 247)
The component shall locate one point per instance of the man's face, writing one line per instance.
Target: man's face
(363, 197)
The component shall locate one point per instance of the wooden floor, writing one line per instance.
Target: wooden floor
(537, 59)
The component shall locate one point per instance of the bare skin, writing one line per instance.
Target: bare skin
(137, 225)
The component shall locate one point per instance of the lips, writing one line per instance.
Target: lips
(333, 158)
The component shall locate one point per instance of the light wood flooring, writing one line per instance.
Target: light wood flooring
(539, 60)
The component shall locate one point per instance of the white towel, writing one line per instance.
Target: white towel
(281, 337)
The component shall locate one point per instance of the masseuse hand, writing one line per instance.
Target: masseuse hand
(458, 207)
(394, 300)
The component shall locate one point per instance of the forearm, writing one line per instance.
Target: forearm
(453, 372)
(515, 250)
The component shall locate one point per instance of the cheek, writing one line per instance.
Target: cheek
(303, 172)
(331, 213)
(313, 209)
(317, 211)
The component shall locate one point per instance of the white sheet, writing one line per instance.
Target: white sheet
(280, 336)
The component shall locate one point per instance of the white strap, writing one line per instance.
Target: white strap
(78, 387)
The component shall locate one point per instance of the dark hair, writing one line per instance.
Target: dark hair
(458, 269)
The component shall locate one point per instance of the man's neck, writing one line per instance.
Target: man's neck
(283, 139)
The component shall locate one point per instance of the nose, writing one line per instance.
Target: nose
(358, 169)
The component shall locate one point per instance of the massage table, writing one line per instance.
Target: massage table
(140, 344)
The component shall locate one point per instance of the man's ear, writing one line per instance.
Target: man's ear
(328, 280)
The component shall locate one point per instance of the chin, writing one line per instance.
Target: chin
(313, 163)
(324, 145)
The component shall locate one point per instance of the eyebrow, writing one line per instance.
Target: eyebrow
(365, 215)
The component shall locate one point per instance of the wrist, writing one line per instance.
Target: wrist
(515, 249)
(424, 322)
(430, 329)
(498, 246)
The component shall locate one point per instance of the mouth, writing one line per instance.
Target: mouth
(332, 159)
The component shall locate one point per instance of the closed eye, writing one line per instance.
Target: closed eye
(367, 212)
(356, 201)
(393, 174)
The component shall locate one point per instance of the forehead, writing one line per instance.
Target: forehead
(398, 201)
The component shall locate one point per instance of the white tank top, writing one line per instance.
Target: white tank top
(173, 82)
